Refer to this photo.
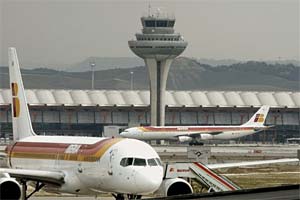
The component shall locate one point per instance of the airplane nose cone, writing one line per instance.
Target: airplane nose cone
(124, 134)
(149, 180)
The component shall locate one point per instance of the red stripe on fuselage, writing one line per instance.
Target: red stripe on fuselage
(193, 129)
(43, 147)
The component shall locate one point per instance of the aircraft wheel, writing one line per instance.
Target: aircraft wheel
(133, 196)
(119, 197)
(195, 143)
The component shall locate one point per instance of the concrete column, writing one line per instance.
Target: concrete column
(158, 74)
(164, 77)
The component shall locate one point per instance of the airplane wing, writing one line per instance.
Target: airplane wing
(50, 177)
(197, 134)
(211, 133)
(251, 163)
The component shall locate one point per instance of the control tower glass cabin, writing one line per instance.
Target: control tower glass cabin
(158, 45)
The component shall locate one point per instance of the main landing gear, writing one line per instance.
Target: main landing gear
(129, 196)
(196, 143)
(38, 186)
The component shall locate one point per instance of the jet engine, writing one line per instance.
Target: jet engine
(9, 188)
(174, 186)
(206, 137)
(184, 139)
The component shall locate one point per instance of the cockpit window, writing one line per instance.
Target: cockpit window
(152, 162)
(158, 161)
(126, 162)
(139, 162)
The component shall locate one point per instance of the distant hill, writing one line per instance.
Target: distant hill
(185, 74)
(103, 63)
(216, 62)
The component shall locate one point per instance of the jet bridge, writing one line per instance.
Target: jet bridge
(196, 170)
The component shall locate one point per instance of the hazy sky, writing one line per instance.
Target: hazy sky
(56, 33)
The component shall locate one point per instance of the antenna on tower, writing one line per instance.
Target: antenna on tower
(158, 12)
(149, 9)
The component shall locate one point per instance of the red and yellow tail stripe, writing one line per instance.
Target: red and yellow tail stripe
(259, 118)
(15, 99)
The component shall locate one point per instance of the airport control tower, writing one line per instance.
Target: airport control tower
(158, 45)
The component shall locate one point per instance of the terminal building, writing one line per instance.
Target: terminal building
(99, 112)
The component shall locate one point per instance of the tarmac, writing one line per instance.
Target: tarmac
(290, 192)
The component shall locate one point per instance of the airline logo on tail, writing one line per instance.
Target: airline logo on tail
(16, 101)
(259, 118)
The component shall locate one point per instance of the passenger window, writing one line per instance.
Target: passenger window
(152, 162)
(139, 162)
(126, 162)
(158, 161)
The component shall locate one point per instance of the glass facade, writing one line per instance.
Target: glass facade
(150, 23)
(159, 23)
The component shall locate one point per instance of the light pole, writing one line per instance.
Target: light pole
(131, 80)
(93, 64)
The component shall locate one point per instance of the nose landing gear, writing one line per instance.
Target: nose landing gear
(129, 196)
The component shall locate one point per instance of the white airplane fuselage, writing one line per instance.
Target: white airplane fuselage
(175, 132)
(189, 133)
(90, 165)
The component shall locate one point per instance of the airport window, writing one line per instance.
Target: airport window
(139, 162)
(51, 116)
(150, 23)
(126, 162)
(290, 118)
(4, 116)
(161, 23)
(171, 23)
(152, 162)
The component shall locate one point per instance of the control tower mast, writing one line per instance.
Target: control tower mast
(158, 45)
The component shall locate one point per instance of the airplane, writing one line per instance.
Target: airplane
(194, 134)
(70, 164)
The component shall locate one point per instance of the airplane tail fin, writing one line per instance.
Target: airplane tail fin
(21, 121)
(258, 119)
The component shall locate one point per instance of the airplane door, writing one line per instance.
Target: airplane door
(56, 161)
(112, 163)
